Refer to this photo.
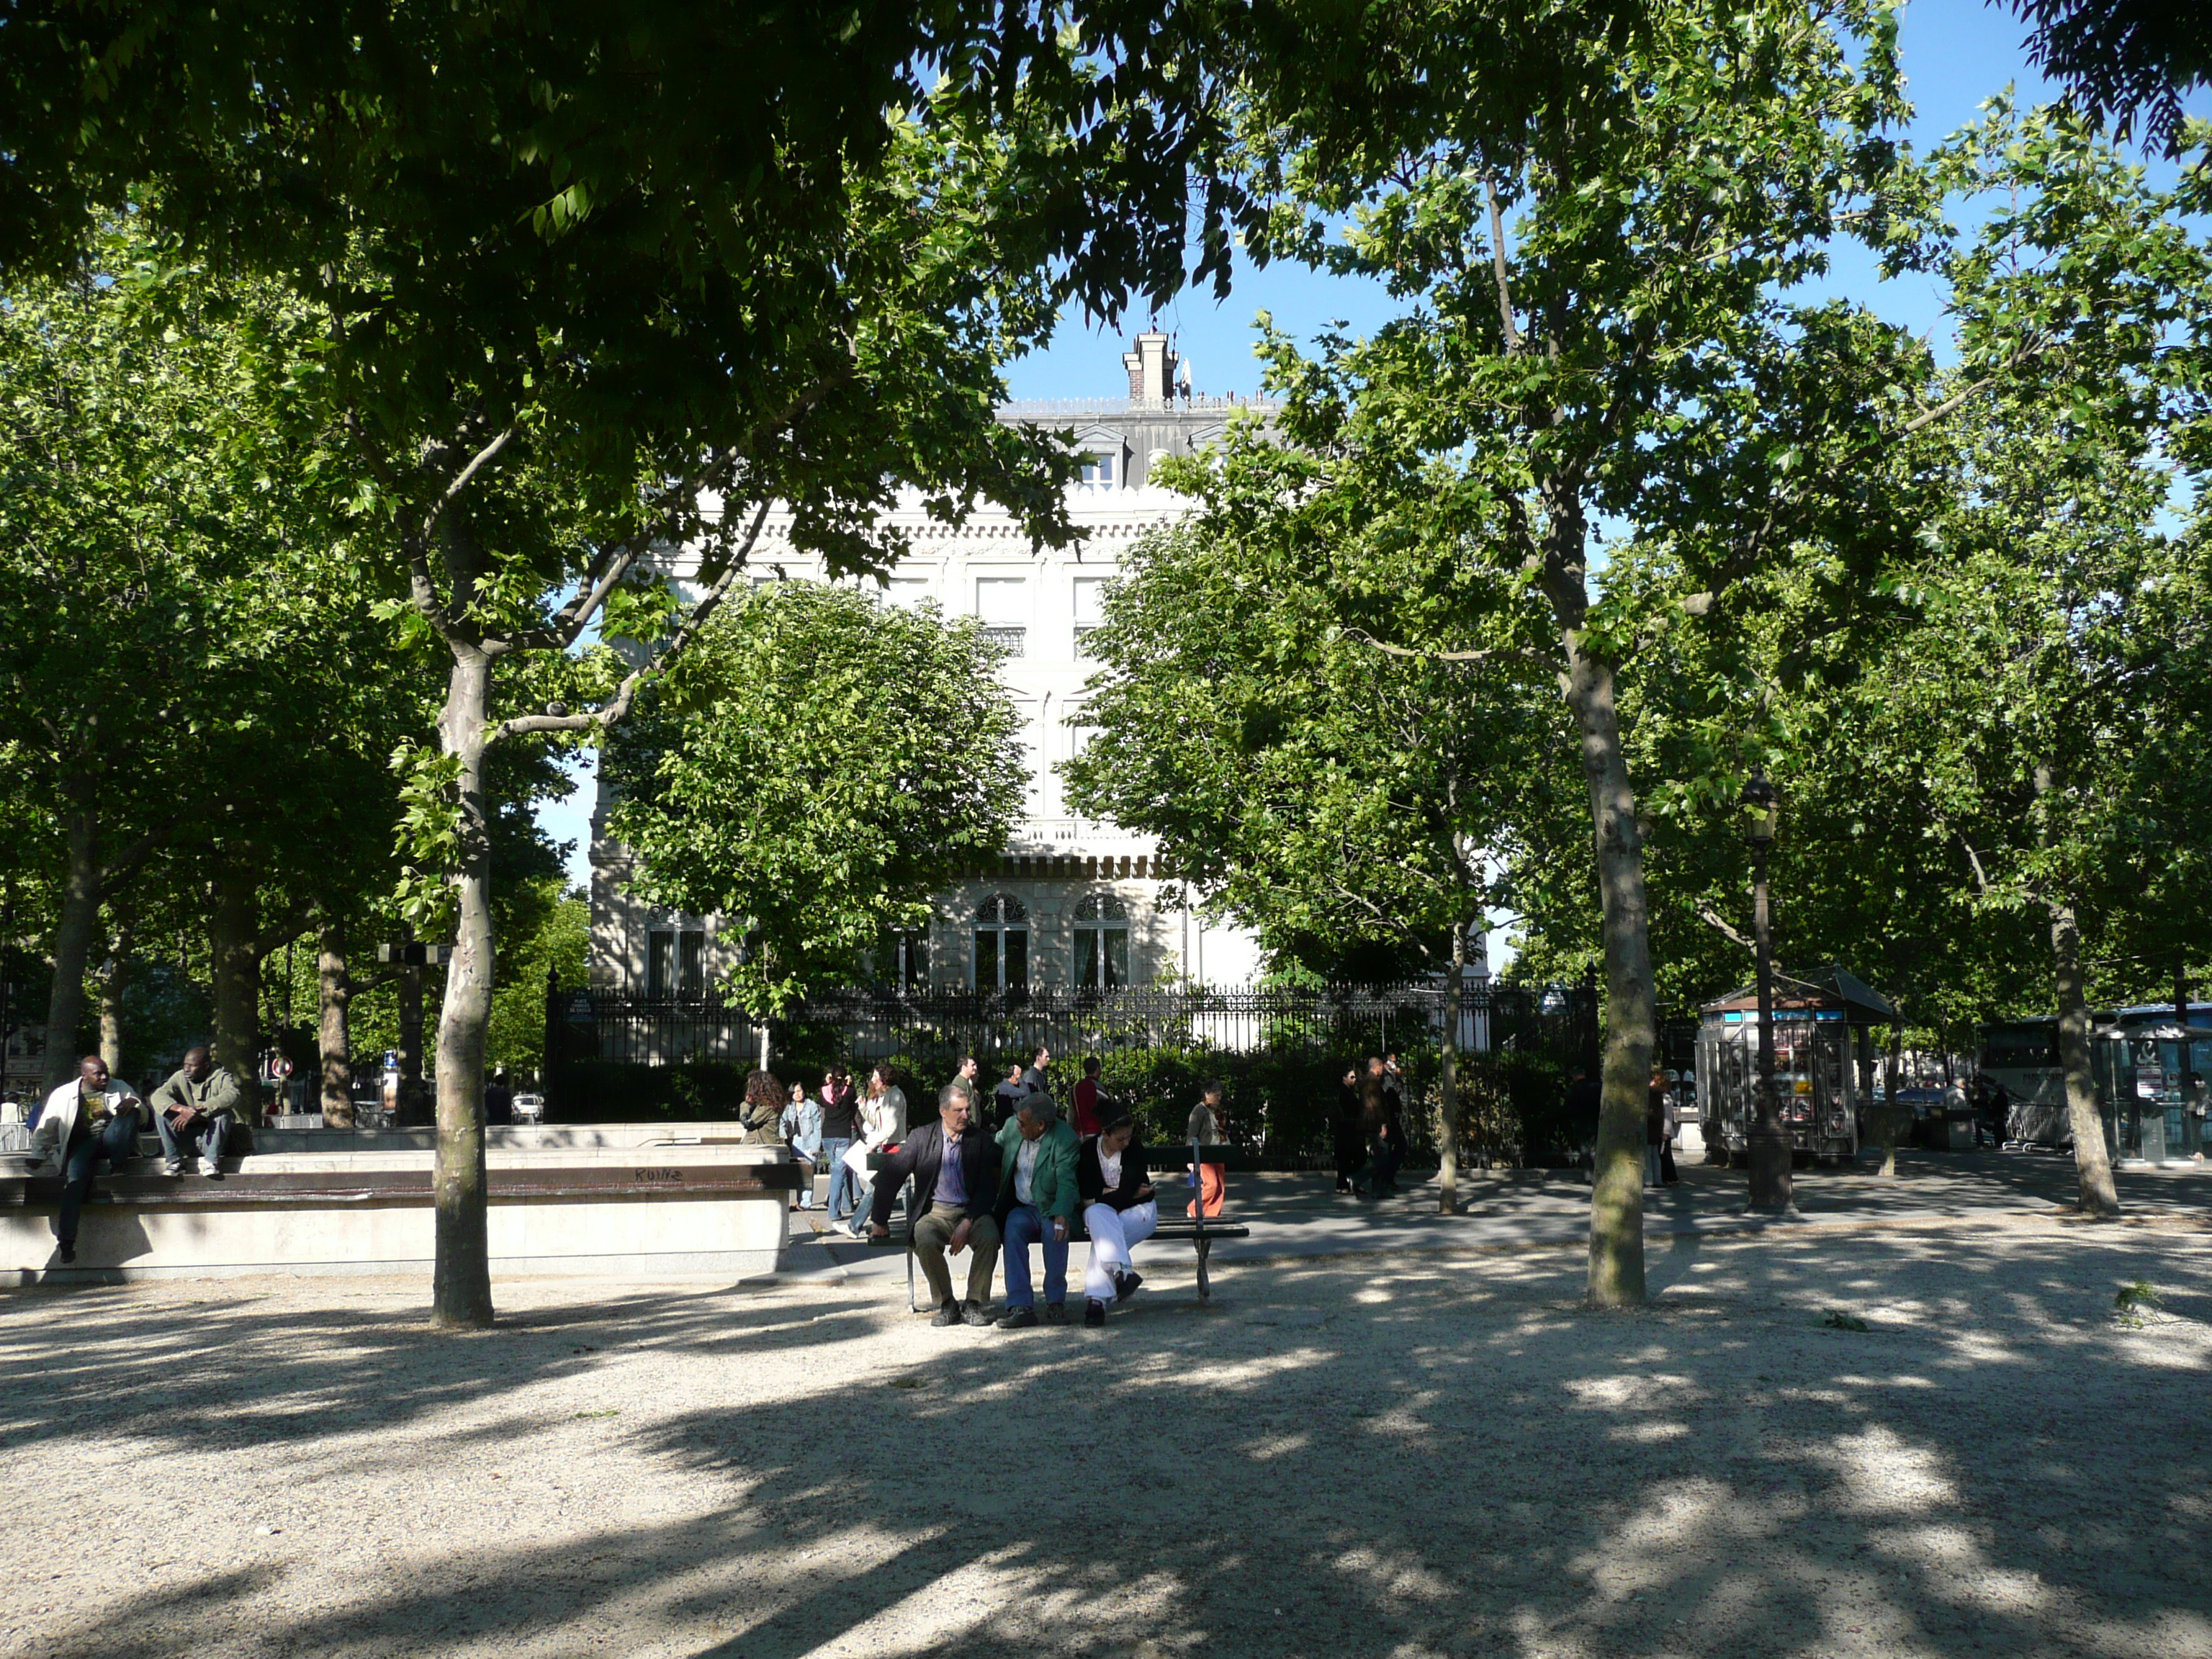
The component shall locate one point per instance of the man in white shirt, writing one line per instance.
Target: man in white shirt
(84, 1120)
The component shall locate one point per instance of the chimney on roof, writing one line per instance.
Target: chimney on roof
(1151, 369)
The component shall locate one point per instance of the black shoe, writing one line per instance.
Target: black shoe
(1344, 1187)
(69, 1255)
(975, 1313)
(1055, 1313)
(1094, 1313)
(1019, 1319)
(1125, 1284)
(947, 1315)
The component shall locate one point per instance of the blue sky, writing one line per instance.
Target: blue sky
(1956, 53)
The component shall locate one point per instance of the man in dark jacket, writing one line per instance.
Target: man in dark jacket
(1348, 1130)
(955, 1167)
(1385, 1123)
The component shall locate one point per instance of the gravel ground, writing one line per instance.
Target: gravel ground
(1366, 1454)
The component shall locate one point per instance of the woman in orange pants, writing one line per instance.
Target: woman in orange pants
(1210, 1179)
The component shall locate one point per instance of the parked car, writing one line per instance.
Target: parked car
(529, 1108)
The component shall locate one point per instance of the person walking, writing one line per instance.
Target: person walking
(1347, 1132)
(1120, 1209)
(954, 1167)
(1084, 1117)
(801, 1124)
(1655, 1124)
(1037, 1203)
(1384, 1127)
(1209, 1181)
(1033, 1079)
(499, 1100)
(841, 1116)
(84, 1120)
(197, 1110)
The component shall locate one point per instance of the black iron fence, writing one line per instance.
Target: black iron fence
(1280, 1051)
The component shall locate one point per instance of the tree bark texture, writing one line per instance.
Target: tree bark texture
(461, 1285)
(73, 930)
(1448, 1124)
(1616, 1236)
(2095, 1195)
(234, 966)
(112, 977)
(333, 1038)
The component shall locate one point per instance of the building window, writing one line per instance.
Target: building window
(675, 963)
(1101, 942)
(903, 961)
(1090, 609)
(1097, 470)
(1002, 944)
(1002, 605)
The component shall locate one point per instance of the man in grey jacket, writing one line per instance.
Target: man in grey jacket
(196, 1110)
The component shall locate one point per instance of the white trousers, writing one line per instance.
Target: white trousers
(1112, 1232)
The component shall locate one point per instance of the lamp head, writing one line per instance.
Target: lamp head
(1762, 801)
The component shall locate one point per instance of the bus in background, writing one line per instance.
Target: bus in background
(2150, 1109)
(2021, 1057)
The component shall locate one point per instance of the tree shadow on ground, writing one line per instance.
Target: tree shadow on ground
(1434, 1457)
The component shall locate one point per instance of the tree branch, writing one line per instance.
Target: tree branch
(1712, 918)
(1497, 265)
(1517, 652)
(476, 463)
(618, 706)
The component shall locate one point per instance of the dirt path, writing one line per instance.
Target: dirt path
(1401, 1455)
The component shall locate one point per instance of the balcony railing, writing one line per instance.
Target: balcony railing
(1011, 638)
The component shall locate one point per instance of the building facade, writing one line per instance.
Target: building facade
(1072, 901)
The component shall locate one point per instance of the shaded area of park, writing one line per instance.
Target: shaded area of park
(1420, 1456)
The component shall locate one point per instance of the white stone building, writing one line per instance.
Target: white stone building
(1074, 901)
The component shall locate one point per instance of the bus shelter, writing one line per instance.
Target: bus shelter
(1824, 1062)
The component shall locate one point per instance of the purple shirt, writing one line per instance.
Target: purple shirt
(951, 1179)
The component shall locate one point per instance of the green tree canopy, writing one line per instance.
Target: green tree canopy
(817, 765)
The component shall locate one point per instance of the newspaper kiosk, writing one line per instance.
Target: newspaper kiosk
(1824, 1051)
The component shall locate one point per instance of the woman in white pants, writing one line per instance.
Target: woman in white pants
(1119, 1209)
(882, 1125)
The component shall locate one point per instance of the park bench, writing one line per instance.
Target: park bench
(1200, 1232)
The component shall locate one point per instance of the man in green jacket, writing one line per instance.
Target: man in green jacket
(1036, 1200)
(197, 1109)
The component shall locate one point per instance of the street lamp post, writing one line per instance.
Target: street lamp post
(1769, 1141)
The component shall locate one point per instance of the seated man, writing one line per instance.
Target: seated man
(1119, 1207)
(196, 1110)
(955, 1169)
(82, 1122)
(1036, 1200)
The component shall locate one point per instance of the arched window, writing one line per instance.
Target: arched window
(1101, 942)
(1002, 943)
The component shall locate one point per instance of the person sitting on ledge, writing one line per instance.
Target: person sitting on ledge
(1119, 1207)
(955, 1170)
(196, 1111)
(84, 1120)
(1037, 1202)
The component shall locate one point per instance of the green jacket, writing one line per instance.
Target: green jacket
(1052, 1184)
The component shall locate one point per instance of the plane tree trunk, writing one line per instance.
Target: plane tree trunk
(461, 1287)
